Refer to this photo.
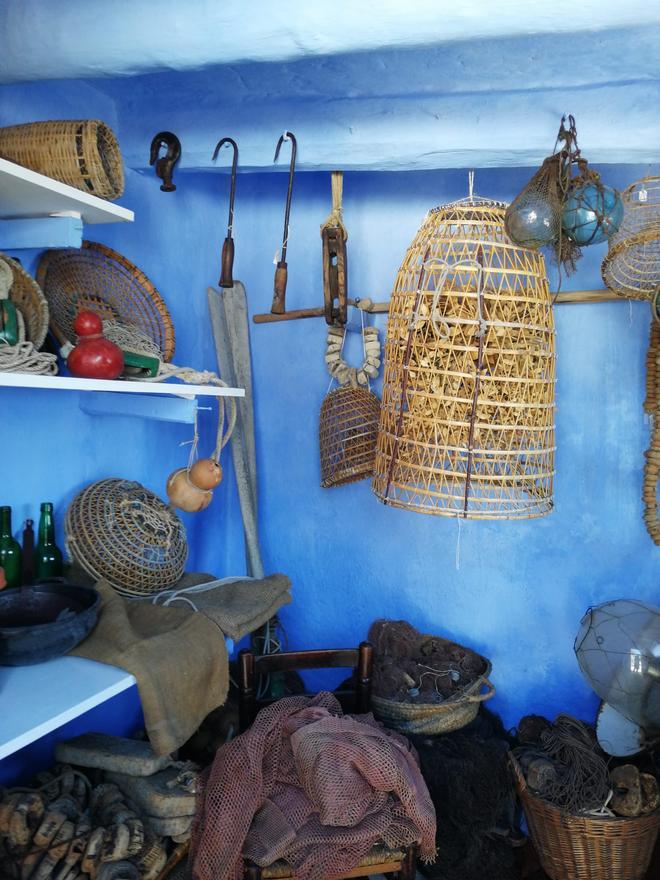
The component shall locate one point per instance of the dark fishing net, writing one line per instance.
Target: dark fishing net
(471, 788)
(410, 666)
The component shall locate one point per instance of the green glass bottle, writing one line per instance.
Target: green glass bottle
(10, 550)
(47, 555)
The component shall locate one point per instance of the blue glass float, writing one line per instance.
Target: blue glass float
(592, 213)
(531, 221)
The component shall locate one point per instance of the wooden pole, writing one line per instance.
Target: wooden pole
(381, 308)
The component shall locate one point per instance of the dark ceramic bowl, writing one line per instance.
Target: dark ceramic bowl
(44, 621)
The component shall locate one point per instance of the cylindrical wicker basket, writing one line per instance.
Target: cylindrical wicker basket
(29, 299)
(81, 152)
(632, 265)
(347, 435)
(96, 277)
(431, 718)
(587, 848)
(121, 532)
(467, 414)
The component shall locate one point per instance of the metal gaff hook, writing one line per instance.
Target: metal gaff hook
(232, 191)
(288, 136)
(226, 272)
(279, 295)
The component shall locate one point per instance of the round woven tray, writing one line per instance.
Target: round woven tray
(98, 278)
(29, 299)
(584, 847)
(121, 532)
(430, 718)
(81, 152)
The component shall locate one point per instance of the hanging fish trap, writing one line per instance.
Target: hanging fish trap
(632, 265)
(348, 423)
(467, 415)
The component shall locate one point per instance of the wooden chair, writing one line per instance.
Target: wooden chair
(399, 864)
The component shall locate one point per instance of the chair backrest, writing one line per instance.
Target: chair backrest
(252, 666)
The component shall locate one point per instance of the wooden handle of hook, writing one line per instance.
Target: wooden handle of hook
(226, 276)
(279, 289)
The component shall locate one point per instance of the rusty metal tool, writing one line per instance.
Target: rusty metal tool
(279, 294)
(165, 164)
(226, 272)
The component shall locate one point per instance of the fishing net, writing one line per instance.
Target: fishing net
(314, 788)
(411, 666)
(473, 795)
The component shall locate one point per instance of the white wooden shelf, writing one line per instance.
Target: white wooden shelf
(27, 194)
(35, 700)
(71, 383)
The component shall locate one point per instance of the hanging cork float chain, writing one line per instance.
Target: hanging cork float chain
(467, 415)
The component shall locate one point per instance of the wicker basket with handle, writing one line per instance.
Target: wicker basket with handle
(586, 847)
(431, 718)
(81, 152)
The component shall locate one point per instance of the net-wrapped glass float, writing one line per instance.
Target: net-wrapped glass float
(467, 413)
(632, 265)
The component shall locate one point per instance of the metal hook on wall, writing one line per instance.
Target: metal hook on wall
(226, 274)
(165, 164)
(279, 293)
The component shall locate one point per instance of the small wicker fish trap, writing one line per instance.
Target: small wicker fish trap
(632, 265)
(121, 532)
(97, 278)
(467, 414)
(573, 847)
(81, 152)
(30, 301)
(348, 427)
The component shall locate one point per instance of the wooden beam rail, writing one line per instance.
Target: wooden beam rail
(377, 308)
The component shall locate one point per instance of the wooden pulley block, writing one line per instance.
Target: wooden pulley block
(335, 297)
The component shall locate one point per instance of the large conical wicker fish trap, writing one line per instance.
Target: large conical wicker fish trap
(467, 415)
(632, 265)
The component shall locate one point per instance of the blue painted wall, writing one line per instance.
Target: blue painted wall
(513, 591)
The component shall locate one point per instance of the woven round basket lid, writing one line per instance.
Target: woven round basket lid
(121, 532)
(97, 278)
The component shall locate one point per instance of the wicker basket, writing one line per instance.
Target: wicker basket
(28, 298)
(467, 416)
(81, 152)
(431, 718)
(632, 265)
(587, 848)
(98, 278)
(121, 532)
(348, 427)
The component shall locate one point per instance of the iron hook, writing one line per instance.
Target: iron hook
(281, 273)
(232, 190)
(287, 136)
(226, 273)
(165, 164)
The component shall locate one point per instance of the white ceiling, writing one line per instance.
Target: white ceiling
(364, 85)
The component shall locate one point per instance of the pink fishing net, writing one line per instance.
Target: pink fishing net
(313, 787)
